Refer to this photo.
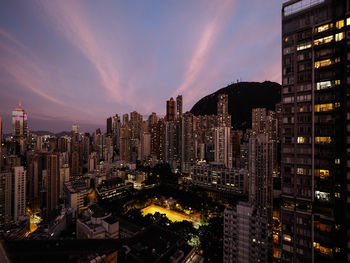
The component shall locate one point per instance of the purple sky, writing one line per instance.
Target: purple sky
(82, 61)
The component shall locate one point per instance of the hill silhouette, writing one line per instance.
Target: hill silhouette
(242, 98)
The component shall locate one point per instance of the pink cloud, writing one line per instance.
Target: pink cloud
(198, 60)
(72, 21)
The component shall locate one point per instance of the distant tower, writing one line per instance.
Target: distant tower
(170, 110)
(224, 118)
(75, 128)
(19, 122)
(178, 106)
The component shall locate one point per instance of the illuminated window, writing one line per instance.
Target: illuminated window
(287, 238)
(337, 249)
(337, 195)
(340, 24)
(324, 107)
(323, 40)
(304, 46)
(301, 140)
(326, 250)
(323, 63)
(337, 226)
(324, 28)
(348, 21)
(322, 196)
(337, 161)
(323, 85)
(337, 82)
(323, 140)
(340, 36)
(300, 171)
(323, 174)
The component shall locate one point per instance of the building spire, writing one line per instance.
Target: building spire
(20, 104)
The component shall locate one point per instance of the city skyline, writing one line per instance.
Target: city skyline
(82, 68)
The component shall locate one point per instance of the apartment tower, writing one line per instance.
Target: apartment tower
(315, 133)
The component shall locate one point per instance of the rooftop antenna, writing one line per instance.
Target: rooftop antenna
(20, 104)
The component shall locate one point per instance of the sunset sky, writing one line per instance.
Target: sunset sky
(83, 61)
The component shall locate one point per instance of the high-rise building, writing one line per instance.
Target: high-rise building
(125, 146)
(0, 133)
(188, 148)
(5, 198)
(152, 119)
(179, 106)
(125, 118)
(315, 164)
(34, 175)
(259, 120)
(75, 128)
(170, 110)
(223, 146)
(109, 126)
(245, 235)
(261, 153)
(19, 122)
(18, 193)
(64, 176)
(145, 145)
(224, 118)
(52, 182)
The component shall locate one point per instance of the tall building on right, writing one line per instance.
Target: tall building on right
(315, 134)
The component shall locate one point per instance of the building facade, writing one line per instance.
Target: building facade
(315, 116)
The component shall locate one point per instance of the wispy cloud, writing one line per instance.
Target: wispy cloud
(198, 60)
(72, 21)
(22, 69)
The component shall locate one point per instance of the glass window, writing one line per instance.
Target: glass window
(324, 27)
(323, 85)
(324, 107)
(323, 63)
(301, 140)
(304, 46)
(322, 196)
(348, 21)
(340, 36)
(322, 173)
(323, 40)
(340, 24)
(323, 140)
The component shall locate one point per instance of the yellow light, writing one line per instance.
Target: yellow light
(301, 140)
(339, 24)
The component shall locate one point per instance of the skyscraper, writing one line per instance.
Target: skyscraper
(259, 120)
(170, 110)
(19, 122)
(179, 106)
(125, 143)
(18, 193)
(224, 119)
(75, 128)
(315, 141)
(109, 126)
(223, 146)
(52, 186)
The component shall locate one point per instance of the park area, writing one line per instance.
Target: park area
(172, 215)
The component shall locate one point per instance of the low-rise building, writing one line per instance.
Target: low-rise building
(76, 193)
(113, 188)
(215, 176)
(97, 224)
